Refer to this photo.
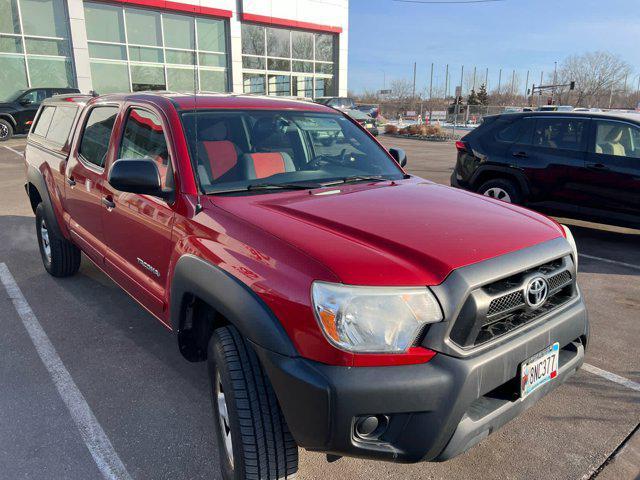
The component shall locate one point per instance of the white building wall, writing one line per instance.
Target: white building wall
(79, 44)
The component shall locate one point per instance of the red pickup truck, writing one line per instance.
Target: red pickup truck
(342, 305)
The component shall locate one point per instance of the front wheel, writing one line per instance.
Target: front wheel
(6, 130)
(253, 438)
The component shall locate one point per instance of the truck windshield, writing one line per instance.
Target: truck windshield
(235, 151)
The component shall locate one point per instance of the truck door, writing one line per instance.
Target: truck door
(84, 179)
(138, 227)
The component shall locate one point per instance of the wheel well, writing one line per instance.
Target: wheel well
(198, 320)
(34, 197)
(9, 119)
(495, 175)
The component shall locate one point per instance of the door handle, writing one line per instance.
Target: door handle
(108, 202)
(71, 181)
(597, 166)
(520, 154)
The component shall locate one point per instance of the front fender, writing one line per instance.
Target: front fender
(227, 295)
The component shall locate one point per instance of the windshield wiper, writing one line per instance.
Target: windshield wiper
(268, 186)
(356, 178)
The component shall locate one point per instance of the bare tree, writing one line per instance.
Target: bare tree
(598, 76)
(401, 90)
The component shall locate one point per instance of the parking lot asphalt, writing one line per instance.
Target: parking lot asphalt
(154, 407)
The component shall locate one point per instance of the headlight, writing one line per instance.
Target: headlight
(572, 242)
(373, 319)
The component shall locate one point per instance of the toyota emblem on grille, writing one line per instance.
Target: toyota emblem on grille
(536, 292)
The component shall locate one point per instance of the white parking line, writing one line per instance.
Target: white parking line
(612, 377)
(614, 262)
(15, 151)
(95, 439)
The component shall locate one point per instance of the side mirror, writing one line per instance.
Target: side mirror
(399, 155)
(137, 176)
(24, 101)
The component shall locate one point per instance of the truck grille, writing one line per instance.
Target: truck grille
(500, 307)
(506, 302)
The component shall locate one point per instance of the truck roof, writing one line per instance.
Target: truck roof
(80, 99)
(208, 100)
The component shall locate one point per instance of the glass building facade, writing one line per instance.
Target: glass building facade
(134, 49)
(207, 45)
(35, 48)
(285, 62)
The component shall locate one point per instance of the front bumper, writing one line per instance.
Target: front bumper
(436, 410)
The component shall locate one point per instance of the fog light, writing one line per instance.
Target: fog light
(371, 427)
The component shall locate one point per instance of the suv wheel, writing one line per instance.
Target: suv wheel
(501, 189)
(60, 257)
(253, 438)
(6, 130)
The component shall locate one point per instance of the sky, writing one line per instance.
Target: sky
(386, 37)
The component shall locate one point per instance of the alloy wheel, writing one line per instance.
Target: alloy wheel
(223, 418)
(498, 193)
(44, 236)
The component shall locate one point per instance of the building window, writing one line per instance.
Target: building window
(153, 50)
(283, 62)
(35, 50)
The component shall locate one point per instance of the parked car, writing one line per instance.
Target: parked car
(555, 108)
(371, 110)
(583, 164)
(18, 109)
(341, 103)
(365, 120)
(341, 305)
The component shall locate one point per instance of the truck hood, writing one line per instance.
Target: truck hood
(411, 232)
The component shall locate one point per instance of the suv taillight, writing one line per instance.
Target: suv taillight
(461, 146)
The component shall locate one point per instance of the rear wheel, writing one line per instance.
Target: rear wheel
(60, 257)
(501, 189)
(6, 130)
(253, 438)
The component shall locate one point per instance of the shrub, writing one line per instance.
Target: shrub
(413, 129)
(434, 131)
(392, 129)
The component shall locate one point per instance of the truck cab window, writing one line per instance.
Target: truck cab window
(96, 135)
(144, 138)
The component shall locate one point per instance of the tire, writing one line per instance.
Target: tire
(60, 257)
(262, 448)
(6, 130)
(501, 189)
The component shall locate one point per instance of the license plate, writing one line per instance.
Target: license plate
(539, 369)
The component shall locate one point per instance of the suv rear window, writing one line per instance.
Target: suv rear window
(509, 133)
(560, 133)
